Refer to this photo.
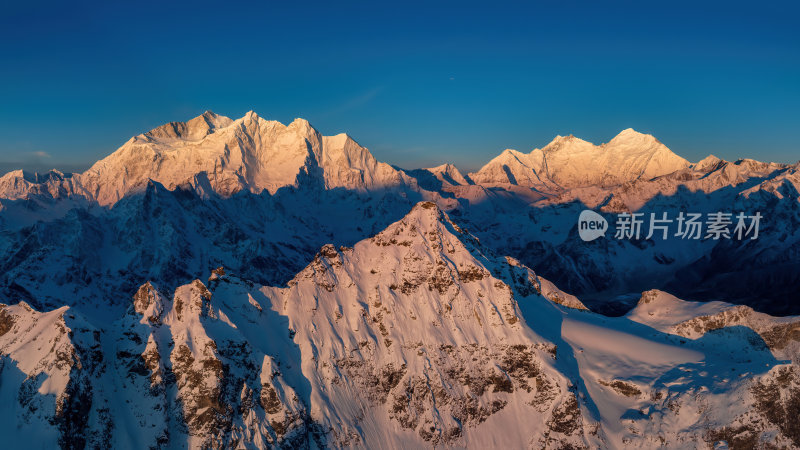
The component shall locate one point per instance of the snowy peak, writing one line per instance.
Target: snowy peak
(694, 320)
(250, 153)
(633, 142)
(209, 120)
(35, 177)
(194, 375)
(565, 143)
(191, 130)
(633, 155)
(708, 164)
(414, 326)
(427, 215)
(661, 309)
(448, 173)
(424, 249)
(20, 325)
(345, 163)
(50, 360)
(428, 227)
(631, 135)
(568, 162)
(302, 126)
(23, 184)
(149, 303)
(718, 173)
(514, 167)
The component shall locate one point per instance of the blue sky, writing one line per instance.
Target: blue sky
(418, 84)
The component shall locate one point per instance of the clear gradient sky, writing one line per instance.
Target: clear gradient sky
(418, 83)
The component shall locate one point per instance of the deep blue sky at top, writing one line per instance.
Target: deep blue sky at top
(417, 83)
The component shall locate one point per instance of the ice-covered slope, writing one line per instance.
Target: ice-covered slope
(569, 162)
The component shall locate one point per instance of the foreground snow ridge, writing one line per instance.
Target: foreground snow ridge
(418, 336)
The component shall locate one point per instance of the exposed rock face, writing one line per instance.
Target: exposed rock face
(523, 278)
(205, 381)
(775, 403)
(50, 362)
(414, 321)
(781, 336)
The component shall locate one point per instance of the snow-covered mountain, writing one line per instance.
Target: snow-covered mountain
(727, 269)
(418, 336)
(169, 204)
(569, 162)
(411, 326)
(212, 152)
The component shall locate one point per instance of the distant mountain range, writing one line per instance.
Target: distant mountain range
(225, 283)
(187, 197)
(256, 155)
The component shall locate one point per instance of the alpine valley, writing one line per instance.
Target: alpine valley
(225, 283)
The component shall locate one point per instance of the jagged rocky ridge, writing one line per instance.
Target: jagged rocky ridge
(418, 336)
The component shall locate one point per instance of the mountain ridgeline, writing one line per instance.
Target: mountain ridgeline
(261, 197)
(242, 283)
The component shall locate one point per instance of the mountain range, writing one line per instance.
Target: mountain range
(223, 283)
